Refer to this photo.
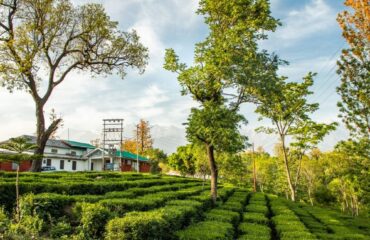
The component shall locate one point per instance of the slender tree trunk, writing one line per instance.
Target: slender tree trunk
(17, 212)
(214, 171)
(287, 170)
(298, 173)
(309, 196)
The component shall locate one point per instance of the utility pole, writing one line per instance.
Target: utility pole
(254, 170)
(137, 148)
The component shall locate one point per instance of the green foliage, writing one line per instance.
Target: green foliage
(207, 230)
(93, 219)
(254, 231)
(61, 229)
(258, 218)
(4, 221)
(136, 226)
(232, 168)
(354, 69)
(257, 208)
(221, 215)
(29, 226)
(183, 160)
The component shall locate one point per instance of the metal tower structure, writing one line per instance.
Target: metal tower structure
(112, 140)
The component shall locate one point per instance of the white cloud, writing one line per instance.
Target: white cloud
(315, 17)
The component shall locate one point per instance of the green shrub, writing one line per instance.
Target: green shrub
(61, 229)
(224, 193)
(138, 226)
(94, 216)
(29, 227)
(253, 237)
(221, 215)
(257, 208)
(205, 198)
(232, 206)
(254, 229)
(179, 217)
(255, 218)
(207, 230)
(4, 221)
(199, 206)
(293, 234)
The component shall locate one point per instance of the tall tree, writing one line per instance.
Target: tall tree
(19, 146)
(43, 41)
(143, 135)
(354, 68)
(288, 109)
(228, 70)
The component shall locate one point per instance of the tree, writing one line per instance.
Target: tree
(143, 136)
(183, 160)
(288, 109)
(156, 156)
(43, 41)
(129, 145)
(232, 169)
(228, 59)
(354, 68)
(19, 146)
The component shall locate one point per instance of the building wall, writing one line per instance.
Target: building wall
(81, 165)
(144, 167)
(8, 166)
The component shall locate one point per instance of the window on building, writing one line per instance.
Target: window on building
(48, 162)
(61, 164)
(92, 166)
(128, 162)
(53, 150)
(73, 153)
(74, 165)
(14, 165)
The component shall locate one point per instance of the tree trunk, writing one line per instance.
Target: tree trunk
(40, 135)
(309, 196)
(214, 171)
(287, 170)
(17, 212)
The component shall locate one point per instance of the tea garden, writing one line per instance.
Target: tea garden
(142, 206)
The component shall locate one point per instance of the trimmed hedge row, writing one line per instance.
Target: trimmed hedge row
(147, 202)
(255, 223)
(159, 223)
(7, 197)
(55, 205)
(254, 231)
(207, 230)
(288, 225)
(338, 229)
(220, 222)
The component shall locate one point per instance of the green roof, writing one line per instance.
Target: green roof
(79, 144)
(129, 155)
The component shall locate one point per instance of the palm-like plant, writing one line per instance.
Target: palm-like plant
(18, 145)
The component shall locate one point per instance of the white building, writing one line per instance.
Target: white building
(66, 155)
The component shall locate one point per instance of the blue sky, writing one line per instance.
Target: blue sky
(309, 39)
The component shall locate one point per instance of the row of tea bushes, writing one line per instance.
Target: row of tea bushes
(219, 223)
(52, 205)
(287, 223)
(337, 228)
(85, 220)
(7, 198)
(255, 225)
(161, 223)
